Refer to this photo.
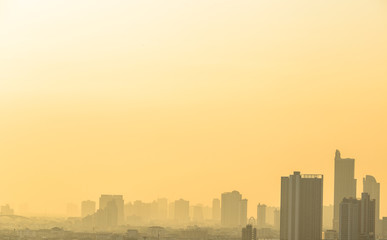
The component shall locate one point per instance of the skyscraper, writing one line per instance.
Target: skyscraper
(181, 211)
(233, 209)
(372, 187)
(261, 215)
(197, 214)
(345, 184)
(349, 228)
(216, 209)
(270, 215)
(243, 213)
(104, 201)
(171, 210)
(87, 208)
(367, 223)
(162, 208)
(301, 207)
(357, 218)
(249, 233)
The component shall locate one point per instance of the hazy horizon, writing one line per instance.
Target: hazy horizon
(187, 100)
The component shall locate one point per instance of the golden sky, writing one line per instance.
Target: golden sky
(187, 99)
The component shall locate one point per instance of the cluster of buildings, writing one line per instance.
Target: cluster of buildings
(301, 215)
(141, 233)
(301, 210)
(112, 212)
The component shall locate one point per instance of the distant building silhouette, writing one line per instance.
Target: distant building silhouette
(106, 202)
(261, 215)
(301, 207)
(6, 210)
(249, 232)
(243, 213)
(349, 224)
(216, 209)
(162, 208)
(357, 219)
(233, 209)
(138, 212)
(87, 208)
(198, 215)
(269, 221)
(107, 216)
(345, 184)
(328, 217)
(171, 211)
(372, 187)
(181, 211)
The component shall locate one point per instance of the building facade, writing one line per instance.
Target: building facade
(372, 187)
(87, 208)
(357, 218)
(345, 184)
(233, 209)
(261, 215)
(105, 201)
(301, 207)
(249, 233)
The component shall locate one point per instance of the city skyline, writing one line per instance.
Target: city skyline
(25, 208)
(194, 114)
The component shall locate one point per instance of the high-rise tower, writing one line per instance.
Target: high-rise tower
(301, 207)
(345, 184)
(372, 187)
(233, 209)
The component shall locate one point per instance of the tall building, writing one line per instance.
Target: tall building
(107, 216)
(233, 209)
(181, 211)
(197, 214)
(301, 207)
(372, 187)
(345, 184)
(216, 209)
(349, 228)
(140, 211)
(162, 208)
(357, 219)
(118, 200)
(249, 233)
(367, 221)
(207, 213)
(261, 215)
(270, 215)
(87, 208)
(243, 213)
(171, 211)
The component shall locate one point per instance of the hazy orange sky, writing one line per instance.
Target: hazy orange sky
(187, 99)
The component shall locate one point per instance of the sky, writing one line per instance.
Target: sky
(187, 99)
